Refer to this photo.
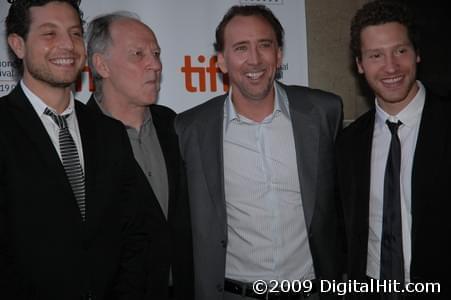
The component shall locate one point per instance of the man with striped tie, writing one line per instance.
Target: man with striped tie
(72, 221)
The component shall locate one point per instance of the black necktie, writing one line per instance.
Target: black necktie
(70, 160)
(392, 259)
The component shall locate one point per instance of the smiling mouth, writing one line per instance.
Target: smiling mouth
(392, 81)
(254, 75)
(63, 61)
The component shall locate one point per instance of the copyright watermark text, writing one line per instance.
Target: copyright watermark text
(285, 286)
(342, 287)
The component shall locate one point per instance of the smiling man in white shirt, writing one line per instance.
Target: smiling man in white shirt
(393, 162)
(260, 171)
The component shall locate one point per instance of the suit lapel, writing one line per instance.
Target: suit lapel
(211, 149)
(165, 135)
(361, 172)
(306, 140)
(429, 150)
(88, 140)
(31, 124)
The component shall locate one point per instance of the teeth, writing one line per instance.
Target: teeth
(392, 80)
(63, 61)
(254, 75)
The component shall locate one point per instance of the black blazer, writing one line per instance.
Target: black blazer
(46, 252)
(431, 194)
(176, 247)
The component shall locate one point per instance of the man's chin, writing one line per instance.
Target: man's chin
(61, 84)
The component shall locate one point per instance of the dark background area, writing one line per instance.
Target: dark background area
(434, 24)
(434, 27)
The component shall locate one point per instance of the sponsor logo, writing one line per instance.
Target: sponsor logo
(86, 72)
(203, 75)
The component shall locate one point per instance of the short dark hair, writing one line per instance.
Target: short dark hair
(377, 13)
(18, 21)
(248, 10)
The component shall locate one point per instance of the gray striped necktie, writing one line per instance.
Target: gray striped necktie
(70, 160)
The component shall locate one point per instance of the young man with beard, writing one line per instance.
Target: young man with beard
(260, 170)
(394, 162)
(73, 220)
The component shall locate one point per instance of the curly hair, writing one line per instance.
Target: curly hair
(248, 10)
(18, 21)
(377, 13)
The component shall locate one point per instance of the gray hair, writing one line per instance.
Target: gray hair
(98, 40)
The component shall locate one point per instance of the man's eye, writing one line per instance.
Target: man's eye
(401, 51)
(375, 56)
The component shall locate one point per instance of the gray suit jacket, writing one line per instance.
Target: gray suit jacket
(316, 118)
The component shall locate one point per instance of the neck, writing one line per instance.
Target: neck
(129, 114)
(394, 108)
(57, 98)
(255, 110)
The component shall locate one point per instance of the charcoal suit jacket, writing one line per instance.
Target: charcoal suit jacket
(316, 118)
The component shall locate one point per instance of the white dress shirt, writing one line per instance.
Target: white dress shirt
(410, 117)
(267, 235)
(51, 127)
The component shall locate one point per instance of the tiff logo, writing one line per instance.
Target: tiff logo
(199, 73)
(79, 82)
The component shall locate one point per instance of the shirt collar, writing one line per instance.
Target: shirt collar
(39, 105)
(409, 115)
(147, 114)
(280, 106)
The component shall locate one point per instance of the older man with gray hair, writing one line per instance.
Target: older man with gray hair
(124, 56)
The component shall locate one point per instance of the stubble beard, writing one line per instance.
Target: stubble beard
(44, 75)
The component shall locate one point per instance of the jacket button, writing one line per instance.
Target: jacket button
(219, 288)
(223, 243)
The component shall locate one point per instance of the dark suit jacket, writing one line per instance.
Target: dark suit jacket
(46, 252)
(431, 194)
(176, 248)
(316, 118)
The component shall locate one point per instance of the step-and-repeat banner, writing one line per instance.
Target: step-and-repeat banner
(185, 31)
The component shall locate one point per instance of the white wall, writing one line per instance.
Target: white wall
(185, 31)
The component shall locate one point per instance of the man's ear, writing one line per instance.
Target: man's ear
(279, 57)
(221, 63)
(101, 65)
(17, 45)
(359, 65)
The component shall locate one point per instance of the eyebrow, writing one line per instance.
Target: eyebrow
(247, 42)
(52, 25)
(407, 44)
